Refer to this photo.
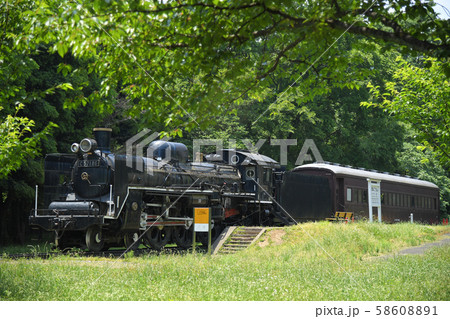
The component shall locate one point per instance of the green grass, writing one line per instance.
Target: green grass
(34, 248)
(296, 269)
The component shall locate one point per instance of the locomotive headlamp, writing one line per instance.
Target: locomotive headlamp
(88, 145)
(75, 147)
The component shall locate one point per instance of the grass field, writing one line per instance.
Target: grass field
(313, 261)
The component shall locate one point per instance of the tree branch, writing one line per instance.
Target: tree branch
(279, 56)
(401, 37)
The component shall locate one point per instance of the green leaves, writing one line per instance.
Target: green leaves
(17, 143)
(419, 96)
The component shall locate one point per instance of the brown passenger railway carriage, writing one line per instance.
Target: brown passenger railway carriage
(347, 188)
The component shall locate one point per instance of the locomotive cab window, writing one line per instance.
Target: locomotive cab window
(267, 177)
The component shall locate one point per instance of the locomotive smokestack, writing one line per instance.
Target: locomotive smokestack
(103, 138)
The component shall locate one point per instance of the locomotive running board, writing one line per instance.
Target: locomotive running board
(181, 191)
(170, 190)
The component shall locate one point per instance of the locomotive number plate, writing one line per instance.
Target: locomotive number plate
(89, 163)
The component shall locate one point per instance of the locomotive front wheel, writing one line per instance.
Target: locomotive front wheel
(60, 242)
(182, 237)
(94, 238)
(157, 238)
(131, 240)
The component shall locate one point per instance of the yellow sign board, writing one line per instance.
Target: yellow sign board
(201, 219)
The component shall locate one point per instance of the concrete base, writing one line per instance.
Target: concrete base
(222, 238)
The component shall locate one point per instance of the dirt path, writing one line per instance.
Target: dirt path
(420, 250)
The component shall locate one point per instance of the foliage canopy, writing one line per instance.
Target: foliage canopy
(184, 62)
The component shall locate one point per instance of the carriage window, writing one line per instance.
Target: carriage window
(349, 194)
(413, 201)
(365, 196)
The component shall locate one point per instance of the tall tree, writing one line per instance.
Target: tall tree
(181, 61)
(35, 96)
(342, 130)
(17, 140)
(419, 96)
(422, 163)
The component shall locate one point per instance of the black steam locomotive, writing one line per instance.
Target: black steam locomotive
(111, 199)
(97, 199)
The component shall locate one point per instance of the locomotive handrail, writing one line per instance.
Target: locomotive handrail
(51, 212)
(171, 190)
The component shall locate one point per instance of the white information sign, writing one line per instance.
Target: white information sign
(201, 228)
(374, 190)
(375, 193)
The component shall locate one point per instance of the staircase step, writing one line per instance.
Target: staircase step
(239, 239)
(235, 246)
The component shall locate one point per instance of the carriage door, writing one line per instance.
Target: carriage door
(340, 195)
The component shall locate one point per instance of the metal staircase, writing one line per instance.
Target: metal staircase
(237, 239)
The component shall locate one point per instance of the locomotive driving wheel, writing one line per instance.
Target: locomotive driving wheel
(182, 237)
(157, 238)
(131, 240)
(94, 238)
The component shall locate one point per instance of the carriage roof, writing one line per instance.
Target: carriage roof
(344, 170)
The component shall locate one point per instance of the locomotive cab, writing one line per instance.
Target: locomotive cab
(256, 171)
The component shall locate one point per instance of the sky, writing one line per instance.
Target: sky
(443, 14)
